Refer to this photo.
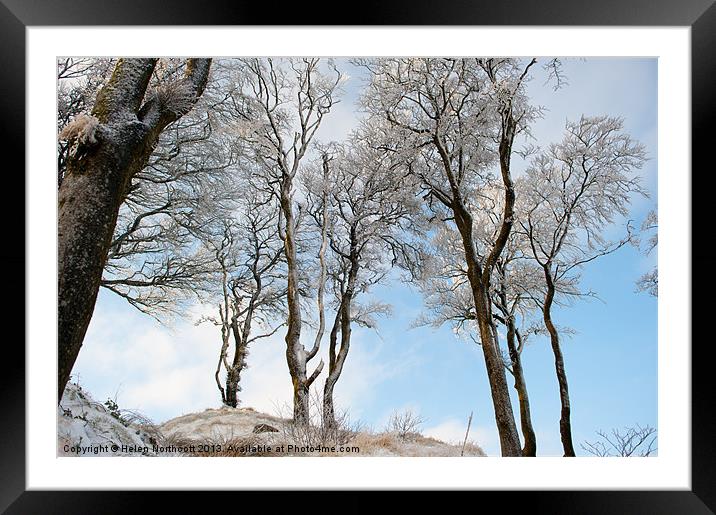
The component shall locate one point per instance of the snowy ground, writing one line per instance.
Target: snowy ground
(88, 428)
(85, 427)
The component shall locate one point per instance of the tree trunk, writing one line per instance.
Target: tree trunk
(108, 151)
(329, 412)
(335, 366)
(301, 414)
(502, 405)
(505, 418)
(565, 425)
(479, 278)
(337, 360)
(232, 389)
(233, 372)
(295, 353)
(530, 445)
(218, 380)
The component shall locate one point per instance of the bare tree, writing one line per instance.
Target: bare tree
(282, 103)
(249, 254)
(152, 263)
(632, 441)
(452, 119)
(360, 206)
(572, 191)
(106, 149)
(515, 281)
(155, 261)
(405, 424)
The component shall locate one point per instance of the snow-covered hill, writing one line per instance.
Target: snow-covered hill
(88, 428)
(236, 427)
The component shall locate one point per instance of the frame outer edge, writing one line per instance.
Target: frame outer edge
(12, 255)
(12, 55)
(703, 133)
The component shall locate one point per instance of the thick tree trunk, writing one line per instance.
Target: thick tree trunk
(495, 367)
(108, 150)
(301, 401)
(505, 418)
(530, 445)
(89, 201)
(91, 193)
(565, 424)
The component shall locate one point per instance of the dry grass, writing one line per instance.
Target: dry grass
(229, 430)
(318, 434)
(369, 444)
(391, 444)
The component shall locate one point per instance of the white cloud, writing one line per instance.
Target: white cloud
(266, 383)
(168, 371)
(159, 370)
(172, 392)
(450, 431)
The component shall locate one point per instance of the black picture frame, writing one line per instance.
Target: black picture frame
(700, 15)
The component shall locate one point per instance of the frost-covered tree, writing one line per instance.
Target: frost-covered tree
(155, 260)
(515, 282)
(282, 103)
(152, 261)
(248, 252)
(107, 147)
(572, 191)
(452, 121)
(360, 203)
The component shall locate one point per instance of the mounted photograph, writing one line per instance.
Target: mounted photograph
(357, 257)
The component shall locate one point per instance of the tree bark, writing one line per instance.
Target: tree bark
(565, 424)
(97, 177)
(530, 445)
(295, 353)
(336, 361)
(505, 418)
(329, 412)
(233, 373)
(506, 427)
(232, 389)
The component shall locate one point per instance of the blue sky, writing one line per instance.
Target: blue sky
(611, 360)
